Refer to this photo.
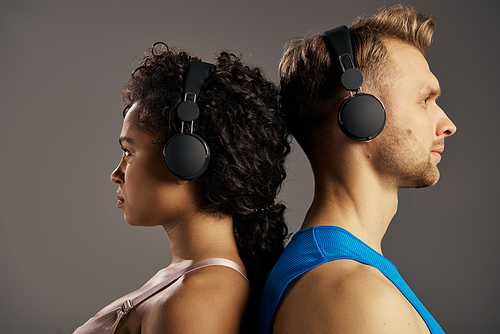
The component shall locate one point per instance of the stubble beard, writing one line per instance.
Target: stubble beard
(406, 160)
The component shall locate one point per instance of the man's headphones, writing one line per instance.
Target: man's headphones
(361, 116)
(186, 154)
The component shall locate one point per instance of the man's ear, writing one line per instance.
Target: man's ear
(335, 121)
(339, 104)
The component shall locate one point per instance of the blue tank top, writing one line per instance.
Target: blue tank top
(316, 245)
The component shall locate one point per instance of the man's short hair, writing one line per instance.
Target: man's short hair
(310, 82)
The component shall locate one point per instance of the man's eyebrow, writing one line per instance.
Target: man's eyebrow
(126, 140)
(431, 91)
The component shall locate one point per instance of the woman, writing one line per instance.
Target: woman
(222, 223)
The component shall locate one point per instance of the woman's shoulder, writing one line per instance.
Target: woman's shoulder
(210, 299)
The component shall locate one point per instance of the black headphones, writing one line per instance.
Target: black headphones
(186, 154)
(361, 116)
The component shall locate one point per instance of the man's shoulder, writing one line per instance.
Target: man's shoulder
(343, 278)
(344, 296)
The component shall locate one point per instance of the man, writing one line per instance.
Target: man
(332, 277)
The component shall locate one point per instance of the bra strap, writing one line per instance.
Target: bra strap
(130, 303)
(107, 322)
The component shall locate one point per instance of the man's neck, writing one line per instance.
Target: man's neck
(359, 202)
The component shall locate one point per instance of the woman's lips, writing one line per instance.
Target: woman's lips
(120, 202)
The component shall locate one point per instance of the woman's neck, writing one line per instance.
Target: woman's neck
(203, 236)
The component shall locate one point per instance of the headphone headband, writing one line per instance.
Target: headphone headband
(197, 73)
(338, 42)
(361, 117)
(187, 154)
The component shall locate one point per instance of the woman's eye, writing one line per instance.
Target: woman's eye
(126, 153)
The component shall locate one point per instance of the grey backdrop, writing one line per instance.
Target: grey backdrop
(66, 250)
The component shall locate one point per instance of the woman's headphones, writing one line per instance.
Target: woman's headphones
(186, 154)
(361, 116)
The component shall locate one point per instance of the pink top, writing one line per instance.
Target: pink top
(106, 320)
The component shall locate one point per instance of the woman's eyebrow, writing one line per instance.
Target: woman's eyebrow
(126, 140)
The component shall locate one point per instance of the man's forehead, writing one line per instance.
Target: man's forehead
(431, 87)
(427, 81)
(405, 55)
(409, 63)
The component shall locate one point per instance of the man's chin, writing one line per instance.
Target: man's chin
(429, 182)
(422, 180)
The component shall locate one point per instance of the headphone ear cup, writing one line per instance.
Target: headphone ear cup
(186, 156)
(361, 117)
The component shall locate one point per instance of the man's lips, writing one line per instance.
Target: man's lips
(120, 202)
(437, 152)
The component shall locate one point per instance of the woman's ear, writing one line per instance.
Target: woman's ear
(181, 182)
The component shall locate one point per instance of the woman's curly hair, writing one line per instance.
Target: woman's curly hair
(244, 129)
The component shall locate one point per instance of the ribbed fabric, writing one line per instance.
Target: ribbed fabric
(316, 245)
